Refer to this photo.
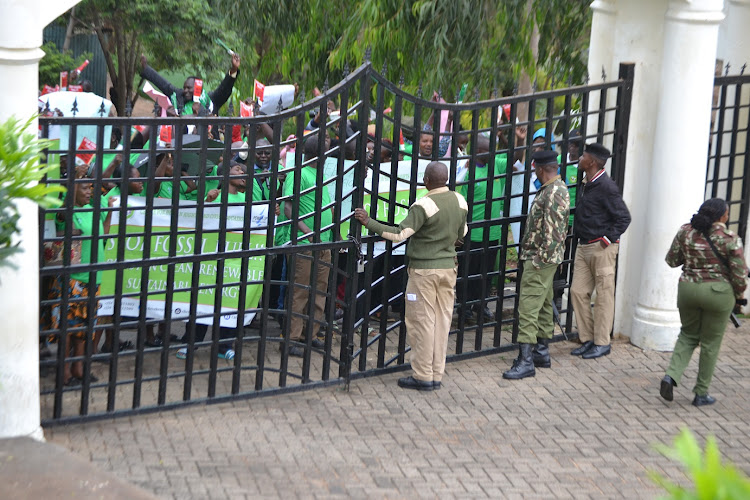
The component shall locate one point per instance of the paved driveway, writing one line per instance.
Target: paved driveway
(582, 429)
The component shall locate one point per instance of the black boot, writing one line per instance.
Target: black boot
(523, 366)
(541, 354)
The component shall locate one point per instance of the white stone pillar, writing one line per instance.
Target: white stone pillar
(21, 28)
(676, 178)
(601, 57)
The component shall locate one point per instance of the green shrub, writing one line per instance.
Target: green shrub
(712, 479)
(21, 170)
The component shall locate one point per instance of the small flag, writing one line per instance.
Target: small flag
(197, 90)
(258, 91)
(85, 158)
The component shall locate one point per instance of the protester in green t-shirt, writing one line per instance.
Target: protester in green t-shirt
(304, 199)
(182, 99)
(78, 286)
(487, 184)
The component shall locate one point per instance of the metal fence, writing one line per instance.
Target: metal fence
(728, 167)
(285, 279)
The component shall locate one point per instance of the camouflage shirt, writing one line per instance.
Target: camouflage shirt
(699, 262)
(547, 225)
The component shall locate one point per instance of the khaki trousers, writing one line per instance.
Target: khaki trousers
(429, 308)
(594, 268)
(301, 294)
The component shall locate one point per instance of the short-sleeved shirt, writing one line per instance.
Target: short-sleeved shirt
(477, 203)
(307, 205)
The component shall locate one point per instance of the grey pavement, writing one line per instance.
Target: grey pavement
(582, 429)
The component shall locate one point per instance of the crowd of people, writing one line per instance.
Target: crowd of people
(437, 228)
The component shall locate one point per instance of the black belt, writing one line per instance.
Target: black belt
(584, 241)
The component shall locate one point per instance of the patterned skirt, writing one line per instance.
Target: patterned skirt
(77, 310)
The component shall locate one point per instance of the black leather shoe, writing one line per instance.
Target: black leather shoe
(419, 385)
(597, 351)
(436, 385)
(704, 400)
(541, 354)
(485, 311)
(293, 350)
(523, 366)
(318, 344)
(583, 348)
(469, 317)
(667, 383)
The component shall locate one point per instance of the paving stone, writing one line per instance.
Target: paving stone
(582, 429)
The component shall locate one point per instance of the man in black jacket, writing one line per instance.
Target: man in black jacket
(182, 99)
(600, 219)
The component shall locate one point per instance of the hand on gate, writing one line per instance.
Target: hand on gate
(361, 215)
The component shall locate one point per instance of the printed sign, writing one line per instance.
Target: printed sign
(155, 280)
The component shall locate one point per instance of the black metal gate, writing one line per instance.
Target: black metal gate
(174, 265)
(728, 168)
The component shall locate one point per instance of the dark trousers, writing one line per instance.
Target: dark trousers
(474, 263)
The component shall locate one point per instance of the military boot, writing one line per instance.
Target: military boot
(523, 366)
(541, 354)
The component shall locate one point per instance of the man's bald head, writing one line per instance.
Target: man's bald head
(435, 175)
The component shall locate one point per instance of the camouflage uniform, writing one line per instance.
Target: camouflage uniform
(542, 249)
(705, 296)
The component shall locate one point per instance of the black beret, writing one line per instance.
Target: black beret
(544, 157)
(597, 150)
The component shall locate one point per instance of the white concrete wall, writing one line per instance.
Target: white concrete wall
(21, 28)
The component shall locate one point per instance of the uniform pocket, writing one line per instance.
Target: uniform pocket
(721, 287)
(605, 278)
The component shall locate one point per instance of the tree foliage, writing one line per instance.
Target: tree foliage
(175, 34)
(439, 43)
(55, 61)
(21, 169)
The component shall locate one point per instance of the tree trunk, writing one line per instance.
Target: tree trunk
(524, 85)
(69, 30)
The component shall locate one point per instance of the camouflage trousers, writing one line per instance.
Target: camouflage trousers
(535, 316)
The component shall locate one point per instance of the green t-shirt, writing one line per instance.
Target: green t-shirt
(477, 204)
(407, 150)
(307, 206)
(231, 198)
(210, 184)
(571, 180)
(166, 188)
(84, 222)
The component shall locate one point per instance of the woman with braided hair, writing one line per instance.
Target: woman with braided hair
(713, 279)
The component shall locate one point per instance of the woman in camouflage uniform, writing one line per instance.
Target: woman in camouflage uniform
(711, 282)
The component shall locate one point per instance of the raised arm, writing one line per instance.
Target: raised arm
(154, 77)
(223, 92)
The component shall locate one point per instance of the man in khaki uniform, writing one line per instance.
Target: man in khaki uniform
(435, 224)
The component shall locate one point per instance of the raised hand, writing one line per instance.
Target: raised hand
(235, 63)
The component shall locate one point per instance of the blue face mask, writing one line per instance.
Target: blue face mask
(538, 183)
